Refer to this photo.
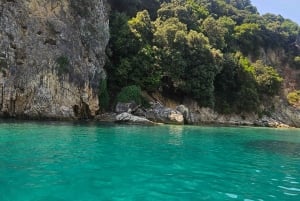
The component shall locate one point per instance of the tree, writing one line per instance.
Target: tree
(166, 31)
(103, 95)
(141, 27)
(130, 93)
(267, 78)
(170, 38)
(201, 69)
(248, 36)
(122, 40)
(199, 49)
(128, 7)
(296, 62)
(294, 98)
(227, 84)
(215, 31)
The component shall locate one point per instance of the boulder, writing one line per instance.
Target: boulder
(126, 107)
(184, 111)
(140, 112)
(126, 117)
(161, 114)
(270, 122)
(106, 117)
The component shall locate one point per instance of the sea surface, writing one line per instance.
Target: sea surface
(53, 161)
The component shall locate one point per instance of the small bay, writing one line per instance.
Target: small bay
(54, 161)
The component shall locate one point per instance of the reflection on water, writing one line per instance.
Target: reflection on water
(275, 146)
(66, 161)
(176, 133)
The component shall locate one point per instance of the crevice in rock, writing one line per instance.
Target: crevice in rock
(20, 62)
(50, 41)
(13, 46)
(76, 110)
(12, 106)
(10, 37)
(85, 112)
(2, 97)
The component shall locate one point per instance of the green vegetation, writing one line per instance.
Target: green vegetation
(267, 78)
(208, 50)
(297, 62)
(103, 95)
(294, 98)
(130, 93)
(63, 65)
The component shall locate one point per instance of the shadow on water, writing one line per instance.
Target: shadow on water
(57, 122)
(275, 146)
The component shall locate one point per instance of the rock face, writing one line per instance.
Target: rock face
(159, 113)
(185, 112)
(286, 114)
(51, 57)
(126, 107)
(209, 116)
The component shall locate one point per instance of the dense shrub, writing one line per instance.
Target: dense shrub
(103, 95)
(130, 93)
(267, 78)
(200, 49)
(296, 62)
(294, 98)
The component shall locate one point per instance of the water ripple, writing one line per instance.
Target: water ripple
(95, 162)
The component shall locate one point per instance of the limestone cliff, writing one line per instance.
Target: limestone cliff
(52, 54)
(279, 108)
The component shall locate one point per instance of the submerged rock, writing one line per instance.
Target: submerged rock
(275, 146)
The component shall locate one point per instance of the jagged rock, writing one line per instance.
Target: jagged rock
(184, 111)
(286, 114)
(140, 112)
(194, 114)
(126, 107)
(270, 122)
(126, 117)
(161, 114)
(52, 55)
(106, 117)
(203, 116)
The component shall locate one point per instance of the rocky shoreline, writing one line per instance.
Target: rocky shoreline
(127, 118)
(130, 113)
(158, 114)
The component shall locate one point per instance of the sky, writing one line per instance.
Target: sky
(287, 8)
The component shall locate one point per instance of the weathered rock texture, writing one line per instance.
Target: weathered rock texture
(51, 57)
(126, 117)
(126, 107)
(281, 114)
(161, 114)
(282, 111)
(285, 113)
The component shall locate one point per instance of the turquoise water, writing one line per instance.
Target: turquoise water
(51, 161)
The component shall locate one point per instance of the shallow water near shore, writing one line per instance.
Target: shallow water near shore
(54, 161)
